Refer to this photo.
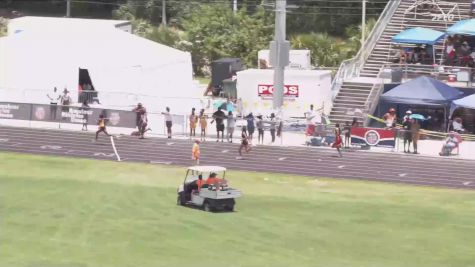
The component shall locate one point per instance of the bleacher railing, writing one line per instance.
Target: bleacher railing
(352, 67)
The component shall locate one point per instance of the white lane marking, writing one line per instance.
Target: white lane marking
(467, 183)
(4, 140)
(160, 162)
(282, 158)
(402, 174)
(51, 147)
(115, 150)
(341, 166)
(170, 143)
(225, 151)
(101, 154)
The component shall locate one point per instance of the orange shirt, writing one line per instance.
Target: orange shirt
(212, 180)
(200, 183)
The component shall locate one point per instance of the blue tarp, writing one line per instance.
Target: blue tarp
(418, 36)
(466, 102)
(422, 91)
(463, 27)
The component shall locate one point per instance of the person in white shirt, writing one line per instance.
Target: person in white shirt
(231, 123)
(168, 122)
(53, 108)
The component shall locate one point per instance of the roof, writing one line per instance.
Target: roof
(207, 168)
(287, 72)
(463, 27)
(418, 36)
(466, 102)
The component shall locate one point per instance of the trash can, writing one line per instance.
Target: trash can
(396, 75)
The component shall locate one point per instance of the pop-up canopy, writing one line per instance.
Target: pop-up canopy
(463, 27)
(466, 102)
(418, 36)
(422, 91)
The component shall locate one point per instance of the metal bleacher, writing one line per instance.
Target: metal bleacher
(357, 78)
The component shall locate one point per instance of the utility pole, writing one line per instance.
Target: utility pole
(234, 6)
(279, 54)
(68, 8)
(363, 22)
(164, 13)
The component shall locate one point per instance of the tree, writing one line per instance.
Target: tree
(326, 51)
(214, 32)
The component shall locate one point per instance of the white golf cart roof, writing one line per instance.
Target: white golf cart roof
(207, 168)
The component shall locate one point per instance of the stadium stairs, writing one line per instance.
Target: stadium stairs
(356, 92)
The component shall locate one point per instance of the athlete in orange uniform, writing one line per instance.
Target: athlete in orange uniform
(102, 126)
(195, 152)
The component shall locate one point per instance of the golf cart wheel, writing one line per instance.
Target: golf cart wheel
(180, 201)
(207, 206)
(229, 208)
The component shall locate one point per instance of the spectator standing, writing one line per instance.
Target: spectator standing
(250, 125)
(53, 108)
(85, 109)
(66, 100)
(231, 123)
(219, 117)
(195, 152)
(272, 126)
(102, 126)
(260, 129)
(193, 120)
(407, 125)
(347, 131)
(203, 124)
(415, 129)
(168, 122)
(338, 141)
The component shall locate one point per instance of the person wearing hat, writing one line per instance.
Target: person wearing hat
(65, 100)
(390, 118)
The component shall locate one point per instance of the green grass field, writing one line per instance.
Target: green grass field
(75, 212)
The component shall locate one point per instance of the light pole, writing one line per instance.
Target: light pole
(164, 13)
(363, 22)
(279, 54)
(234, 6)
(68, 8)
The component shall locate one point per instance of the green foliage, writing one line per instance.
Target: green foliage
(326, 51)
(3, 26)
(215, 32)
(353, 34)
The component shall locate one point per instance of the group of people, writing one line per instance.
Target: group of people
(418, 54)
(459, 52)
(63, 99)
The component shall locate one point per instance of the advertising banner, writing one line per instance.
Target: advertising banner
(267, 90)
(66, 114)
(373, 137)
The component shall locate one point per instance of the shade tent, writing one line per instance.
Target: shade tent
(418, 36)
(463, 27)
(466, 102)
(124, 68)
(422, 91)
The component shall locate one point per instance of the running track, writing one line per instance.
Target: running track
(316, 162)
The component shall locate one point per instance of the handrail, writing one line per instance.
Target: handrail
(351, 68)
(373, 97)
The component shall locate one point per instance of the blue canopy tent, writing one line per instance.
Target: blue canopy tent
(463, 27)
(419, 36)
(466, 102)
(424, 91)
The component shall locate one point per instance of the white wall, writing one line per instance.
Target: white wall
(314, 88)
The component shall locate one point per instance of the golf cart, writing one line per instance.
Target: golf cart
(215, 196)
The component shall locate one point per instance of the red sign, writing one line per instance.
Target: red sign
(267, 90)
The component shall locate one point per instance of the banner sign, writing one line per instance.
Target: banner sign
(267, 90)
(15, 111)
(373, 137)
(66, 114)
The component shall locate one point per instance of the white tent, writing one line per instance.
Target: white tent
(124, 68)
